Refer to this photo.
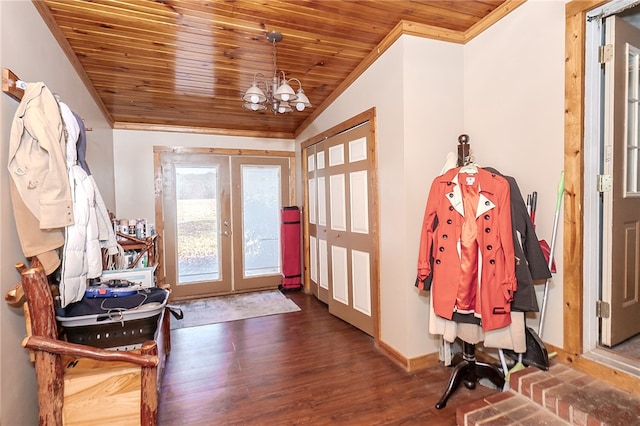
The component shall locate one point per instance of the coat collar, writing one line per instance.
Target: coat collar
(487, 183)
(32, 91)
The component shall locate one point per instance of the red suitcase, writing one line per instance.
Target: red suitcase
(290, 236)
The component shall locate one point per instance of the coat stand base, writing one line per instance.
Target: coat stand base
(469, 371)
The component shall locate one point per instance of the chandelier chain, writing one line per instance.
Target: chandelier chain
(275, 62)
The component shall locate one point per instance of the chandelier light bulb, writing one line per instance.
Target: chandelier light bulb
(284, 97)
(299, 106)
(254, 105)
(255, 99)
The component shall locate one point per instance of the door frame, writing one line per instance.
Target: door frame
(158, 191)
(370, 116)
(578, 294)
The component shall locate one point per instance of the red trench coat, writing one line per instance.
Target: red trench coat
(440, 244)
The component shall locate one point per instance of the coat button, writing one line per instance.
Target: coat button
(438, 261)
(487, 217)
(489, 247)
(445, 236)
(451, 195)
(487, 203)
(493, 262)
(449, 221)
(450, 208)
(487, 230)
(441, 248)
(448, 183)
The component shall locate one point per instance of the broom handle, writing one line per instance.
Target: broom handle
(551, 249)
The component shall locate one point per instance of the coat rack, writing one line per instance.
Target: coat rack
(14, 87)
(468, 370)
(464, 150)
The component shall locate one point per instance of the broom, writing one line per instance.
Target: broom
(519, 365)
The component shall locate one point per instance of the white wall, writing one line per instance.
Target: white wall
(505, 89)
(133, 170)
(28, 49)
(514, 114)
(413, 135)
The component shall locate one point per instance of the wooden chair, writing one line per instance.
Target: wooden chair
(79, 384)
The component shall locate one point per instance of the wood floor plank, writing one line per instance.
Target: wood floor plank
(306, 367)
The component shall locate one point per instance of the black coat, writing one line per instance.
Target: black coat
(531, 264)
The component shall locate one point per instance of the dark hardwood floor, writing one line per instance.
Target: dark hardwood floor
(306, 367)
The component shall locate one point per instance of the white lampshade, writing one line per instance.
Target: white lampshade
(285, 92)
(302, 101)
(284, 107)
(254, 95)
(254, 107)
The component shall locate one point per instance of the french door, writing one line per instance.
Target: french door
(220, 221)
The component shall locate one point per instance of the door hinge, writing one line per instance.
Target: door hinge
(605, 53)
(602, 309)
(604, 183)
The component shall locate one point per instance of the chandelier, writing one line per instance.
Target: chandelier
(277, 95)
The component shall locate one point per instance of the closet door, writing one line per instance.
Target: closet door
(317, 221)
(348, 184)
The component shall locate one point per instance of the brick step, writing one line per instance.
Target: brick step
(505, 408)
(559, 396)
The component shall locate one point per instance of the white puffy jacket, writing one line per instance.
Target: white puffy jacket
(81, 258)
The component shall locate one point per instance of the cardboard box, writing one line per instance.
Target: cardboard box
(142, 276)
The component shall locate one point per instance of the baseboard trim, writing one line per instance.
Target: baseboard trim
(409, 364)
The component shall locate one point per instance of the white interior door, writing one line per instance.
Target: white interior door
(621, 202)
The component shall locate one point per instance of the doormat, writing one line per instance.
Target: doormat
(231, 308)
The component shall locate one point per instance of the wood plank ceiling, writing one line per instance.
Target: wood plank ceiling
(162, 63)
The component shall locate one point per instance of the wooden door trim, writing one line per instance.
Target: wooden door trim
(573, 236)
(157, 183)
(370, 116)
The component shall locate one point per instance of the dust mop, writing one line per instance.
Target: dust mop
(553, 243)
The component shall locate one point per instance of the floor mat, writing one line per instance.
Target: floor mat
(231, 308)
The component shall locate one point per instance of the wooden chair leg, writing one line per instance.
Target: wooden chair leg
(149, 389)
(50, 388)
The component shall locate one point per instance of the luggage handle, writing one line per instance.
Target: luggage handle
(176, 312)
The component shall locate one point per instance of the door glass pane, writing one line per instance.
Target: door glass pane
(198, 225)
(632, 184)
(261, 220)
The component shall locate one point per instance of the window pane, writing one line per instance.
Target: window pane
(198, 224)
(631, 164)
(261, 220)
